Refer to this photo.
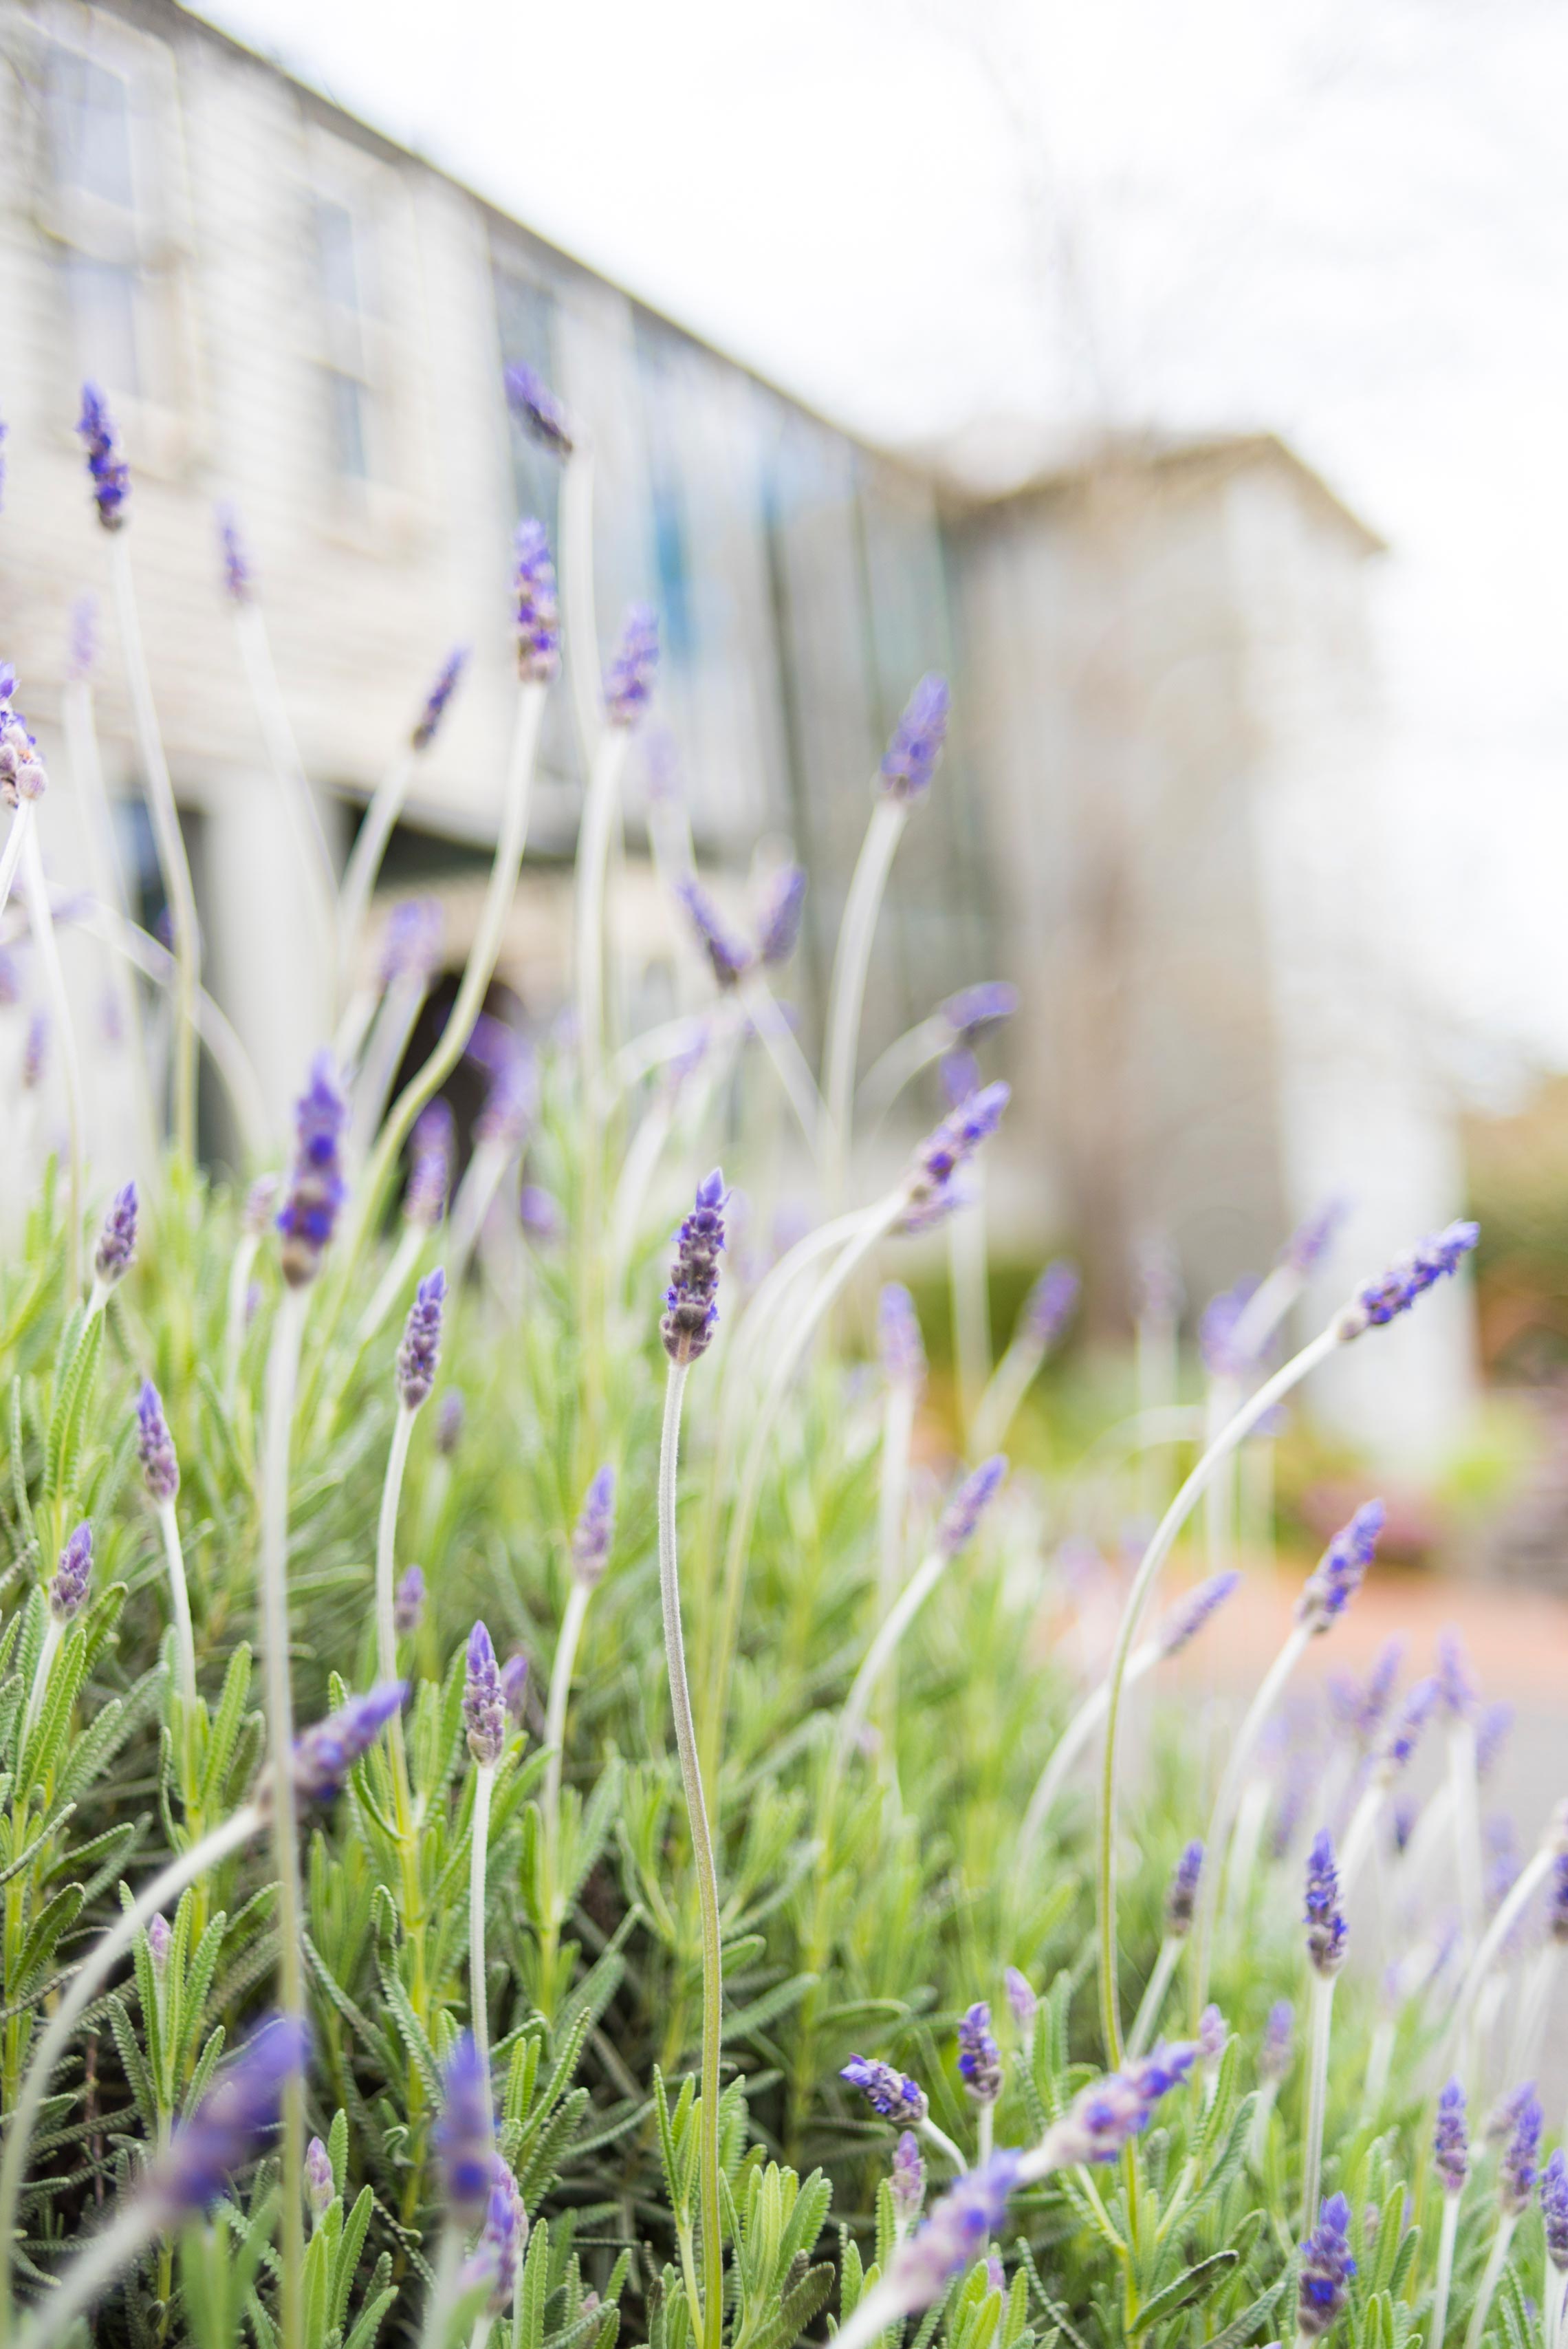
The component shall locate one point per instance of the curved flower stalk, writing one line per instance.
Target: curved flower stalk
(1180, 1900)
(1377, 1302)
(955, 1024)
(789, 1063)
(677, 1086)
(1543, 1864)
(691, 1311)
(380, 820)
(907, 767)
(1515, 2187)
(41, 920)
(499, 1134)
(376, 1030)
(1324, 1598)
(1044, 1314)
(1391, 1757)
(593, 1538)
(432, 1146)
(1182, 1625)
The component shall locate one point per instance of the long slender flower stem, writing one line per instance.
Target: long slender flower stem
(1223, 1818)
(365, 857)
(1153, 1999)
(475, 1193)
(577, 592)
(1320, 2024)
(883, 1647)
(846, 994)
(789, 1064)
(1153, 1558)
(1009, 1383)
(385, 1600)
(1491, 2276)
(283, 1380)
(382, 1056)
(708, 2322)
(389, 1287)
(241, 1266)
(1069, 1745)
(16, 838)
(561, 1672)
(943, 2144)
(172, 857)
(478, 1848)
(41, 916)
(1447, 2236)
(180, 1597)
(77, 1996)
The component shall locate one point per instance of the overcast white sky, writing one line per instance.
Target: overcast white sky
(1344, 220)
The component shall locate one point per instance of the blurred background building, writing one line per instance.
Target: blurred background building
(1153, 814)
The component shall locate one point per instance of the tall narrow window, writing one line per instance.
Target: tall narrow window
(92, 172)
(347, 372)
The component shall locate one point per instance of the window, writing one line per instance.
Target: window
(347, 373)
(89, 110)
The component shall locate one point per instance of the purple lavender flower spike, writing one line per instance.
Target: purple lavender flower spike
(1457, 1689)
(504, 2235)
(21, 775)
(484, 1708)
(898, 1341)
(1048, 1304)
(1216, 1330)
(958, 1138)
(889, 2092)
(1103, 2117)
(239, 584)
(1324, 1917)
(915, 744)
(691, 1307)
(320, 2186)
(1182, 1897)
(229, 2124)
(451, 1413)
(982, 1006)
(1310, 1242)
(908, 2179)
(593, 1534)
(1555, 2209)
(158, 1940)
(421, 1348)
(1374, 1700)
(1341, 1569)
(316, 1189)
(430, 1148)
(960, 1520)
(1213, 2035)
(514, 1688)
(427, 725)
(955, 2233)
(729, 956)
(116, 1241)
(68, 1588)
(155, 1448)
(1516, 2175)
(326, 1752)
(1190, 1615)
(536, 408)
(1557, 1898)
(1326, 2268)
(979, 2059)
(779, 916)
(1274, 2055)
(1450, 2139)
(408, 1602)
(538, 609)
(107, 467)
(463, 2133)
(1491, 1732)
(1021, 1998)
(629, 679)
(1431, 1261)
(1412, 1717)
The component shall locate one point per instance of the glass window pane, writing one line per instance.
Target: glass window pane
(101, 295)
(89, 128)
(345, 421)
(339, 262)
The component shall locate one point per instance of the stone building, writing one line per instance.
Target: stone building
(1165, 742)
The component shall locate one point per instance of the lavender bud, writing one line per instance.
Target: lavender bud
(1412, 1717)
(324, 1753)
(962, 1516)
(538, 411)
(421, 1348)
(540, 1211)
(1022, 1999)
(504, 2235)
(1310, 1242)
(915, 744)
(977, 1008)
(238, 581)
(320, 2186)
(1341, 1569)
(1182, 1897)
(1557, 1898)
(408, 1602)
(449, 1413)
(691, 1307)
(908, 2179)
(629, 679)
(1326, 2268)
(899, 1340)
(427, 725)
(514, 1688)
(228, 2126)
(1555, 2209)
(81, 651)
(1450, 2139)
(1190, 1615)
(1324, 1917)
(116, 1241)
(1456, 1687)
(484, 1708)
(158, 1940)
(107, 467)
(1048, 1306)
(155, 1448)
(430, 1147)
(1432, 1259)
(411, 943)
(979, 2060)
(1104, 2115)
(995, 2273)
(463, 2133)
(1216, 1330)
(316, 1189)
(779, 918)
(1213, 2035)
(957, 2232)
(729, 956)
(1516, 2176)
(538, 611)
(1274, 2055)
(69, 1590)
(593, 1534)
(890, 2093)
(956, 1139)
(21, 775)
